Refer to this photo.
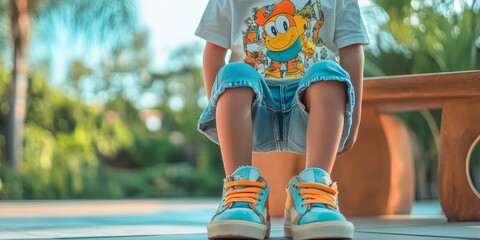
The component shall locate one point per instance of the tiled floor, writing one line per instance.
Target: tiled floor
(187, 218)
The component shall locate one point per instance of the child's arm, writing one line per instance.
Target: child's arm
(213, 60)
(352, 59)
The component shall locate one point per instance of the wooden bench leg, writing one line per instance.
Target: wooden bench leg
(460, 129)
(377, 176)
(278, 168)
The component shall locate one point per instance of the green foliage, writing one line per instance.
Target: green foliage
(73, 150)
(62, 141)
(86, 138)
(164, 180)
(474, 165)
(149, 149)
(421, 37)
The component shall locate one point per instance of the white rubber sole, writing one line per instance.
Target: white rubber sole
(237, 229)
(319, 230)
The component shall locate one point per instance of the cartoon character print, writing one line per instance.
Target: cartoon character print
(281, 41)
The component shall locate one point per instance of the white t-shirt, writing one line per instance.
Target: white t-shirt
(282, 38)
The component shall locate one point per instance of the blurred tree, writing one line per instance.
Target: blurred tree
(103, 23)
(176, 93)
(71, 147)
(183, 93)
(433, 36)
(125, 73)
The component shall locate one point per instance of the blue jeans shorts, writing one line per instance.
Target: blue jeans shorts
(279, 118)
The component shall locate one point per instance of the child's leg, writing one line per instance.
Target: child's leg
(325, 89)
(234, 127)
(243, 210)
(325, 102)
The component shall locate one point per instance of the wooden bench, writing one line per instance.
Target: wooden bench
(377, 176)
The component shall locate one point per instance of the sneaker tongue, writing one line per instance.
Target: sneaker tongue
(316, 175)
(246, 173)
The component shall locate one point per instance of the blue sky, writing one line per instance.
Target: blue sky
(171, 24)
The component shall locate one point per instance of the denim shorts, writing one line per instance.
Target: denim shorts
(278, 115)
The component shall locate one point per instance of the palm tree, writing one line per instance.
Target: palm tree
(102, 22)
(20, 29)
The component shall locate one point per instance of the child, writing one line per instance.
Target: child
(293, 78)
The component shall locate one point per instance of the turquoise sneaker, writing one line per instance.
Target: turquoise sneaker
(311, 210)
(243, 211)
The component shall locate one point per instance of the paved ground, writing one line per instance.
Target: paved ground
(187, 218)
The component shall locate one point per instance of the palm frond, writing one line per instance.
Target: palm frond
(101, 23)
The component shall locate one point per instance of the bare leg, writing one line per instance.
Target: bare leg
(325, 102)
(234, 126)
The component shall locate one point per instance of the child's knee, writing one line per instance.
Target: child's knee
(325, 70)
(325, 90)
(329, 86)
(240, 93)
(324, 66)
(238, 74)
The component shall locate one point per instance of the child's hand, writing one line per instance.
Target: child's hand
(352, 138)
(352, 59)
(213, 60)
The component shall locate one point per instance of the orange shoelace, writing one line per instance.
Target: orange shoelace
(246, 194)
(317, 193)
